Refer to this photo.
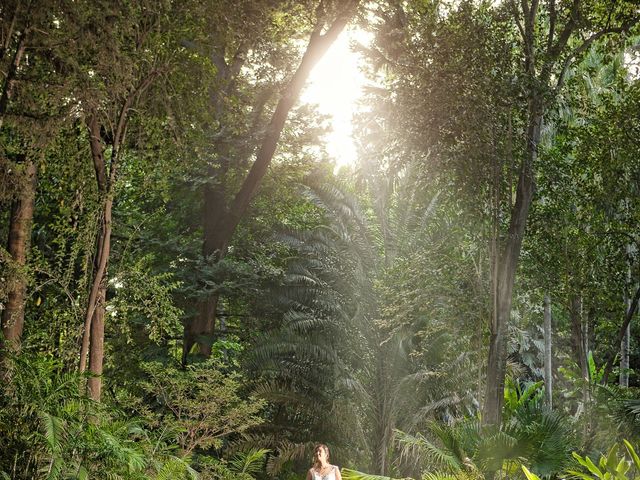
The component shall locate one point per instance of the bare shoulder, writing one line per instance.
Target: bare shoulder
(338, 474)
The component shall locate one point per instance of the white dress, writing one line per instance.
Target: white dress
(329, 476)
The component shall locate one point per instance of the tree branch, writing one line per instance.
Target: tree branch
(566, 32)
(552, 24)
(318, 45)
(584, 46)
(516, 17)
(120, 133)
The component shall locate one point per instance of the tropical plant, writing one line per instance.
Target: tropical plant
(348, 474)
(610, 466)
(530, 433)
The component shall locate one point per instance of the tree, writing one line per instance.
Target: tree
(23, 105)
(218, 233)
(545, 63)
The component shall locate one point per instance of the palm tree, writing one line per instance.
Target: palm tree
(531, 433)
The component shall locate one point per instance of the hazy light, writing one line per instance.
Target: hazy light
(335, 85)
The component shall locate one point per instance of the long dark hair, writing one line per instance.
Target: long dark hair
(318, 446)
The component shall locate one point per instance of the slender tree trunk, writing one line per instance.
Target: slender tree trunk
(18, 246)
(221, 229)
(577, 335)
(93, 333)
(93, 329)
(497, 362)
(96, 352)
(623, 328)
(548, 376)
(96, 345)
(12, 320)
(9, 82)
(625, 344)
(9, 34)
(383, 419)
(624, 353)
(579, 349)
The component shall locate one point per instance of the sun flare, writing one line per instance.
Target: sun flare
(335, 85)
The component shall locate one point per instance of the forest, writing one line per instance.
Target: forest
(194, 285)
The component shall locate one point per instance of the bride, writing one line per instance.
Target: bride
(322, 469)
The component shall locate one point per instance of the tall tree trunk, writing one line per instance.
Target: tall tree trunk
(624, 345)
(383, 429)
(497, 362)
(541, 76)
(214, 249)
(9, 82)
(96, 344)
(579, 343)
(96, 351)
(624, 353)
(623, 328)
(227, 219)
(93, 330)
(18, 246)
(578, 336)
(21, 217)
(548, 375)
(93, 333)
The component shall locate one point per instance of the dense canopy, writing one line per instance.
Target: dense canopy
(192, 285)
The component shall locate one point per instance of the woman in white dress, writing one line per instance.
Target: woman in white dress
(322, 469)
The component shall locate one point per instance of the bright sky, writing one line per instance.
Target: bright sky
(335, 85)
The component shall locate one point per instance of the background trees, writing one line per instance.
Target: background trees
(188, 289)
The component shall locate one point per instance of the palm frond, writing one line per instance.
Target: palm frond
(250, 462)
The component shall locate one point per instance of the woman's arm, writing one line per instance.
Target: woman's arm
(338, 474)
(309, 476)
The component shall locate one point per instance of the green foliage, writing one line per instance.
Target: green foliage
(77, 438)
(200, 407)
(51, 431)
(349, 309)
(530, 434)
(348, 474)
(609, 466)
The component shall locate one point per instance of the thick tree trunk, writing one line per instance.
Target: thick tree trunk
(18, 246)
(201, 329)
(548, 375)
(497, 362)
(214, 248)
(220, 230)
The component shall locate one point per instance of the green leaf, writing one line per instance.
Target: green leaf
(592, 468)
(580, 460)
(623, 467)
(348, 474)
(529, 475)
(612, 458)
(632, 453)
(83, 474)
(581, 475)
